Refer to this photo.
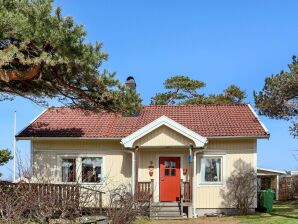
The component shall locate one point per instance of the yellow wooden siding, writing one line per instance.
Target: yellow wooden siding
(233, 150)
(117, 164)
(163, 136)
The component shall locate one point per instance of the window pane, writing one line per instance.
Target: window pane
(68, 170)
(167, 172)
(173, 164)
(211, 169)
(167, 164)
(91, 169)
(173, 172)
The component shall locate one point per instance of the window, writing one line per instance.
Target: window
(68, 170)
(170, 168)
(211, 170)
(91, 169)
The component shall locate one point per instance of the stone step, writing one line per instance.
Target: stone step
(162, 209)
(165, 204)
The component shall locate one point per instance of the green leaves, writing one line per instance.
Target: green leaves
(279, 97)
(183, 90)
(32, 35)
(5, 156)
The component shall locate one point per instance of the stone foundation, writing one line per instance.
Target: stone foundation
(223, 211)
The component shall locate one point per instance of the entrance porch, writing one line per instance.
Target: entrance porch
(165, 173)
(163, 163)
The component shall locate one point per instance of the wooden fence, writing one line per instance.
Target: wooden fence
(288, 188)
(145, 191)
(59, 195)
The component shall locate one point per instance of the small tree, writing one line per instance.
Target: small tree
(123, 208)
(5, 156)
(241, 189)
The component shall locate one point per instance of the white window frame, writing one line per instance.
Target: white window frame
(81, 172)
(199, 177)
(60, 170)
(78, 158)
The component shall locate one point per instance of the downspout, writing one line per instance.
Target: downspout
(194, 187)
(132, 169)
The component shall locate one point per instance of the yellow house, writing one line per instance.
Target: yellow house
(180, 154)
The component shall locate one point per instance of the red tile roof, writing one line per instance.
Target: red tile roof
(206, 120)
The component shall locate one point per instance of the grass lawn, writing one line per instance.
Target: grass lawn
(283, 213)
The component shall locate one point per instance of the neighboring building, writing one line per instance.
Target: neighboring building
(162, 145)
(269, 179)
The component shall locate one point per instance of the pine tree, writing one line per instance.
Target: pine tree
(5, 156)
(183, 90)
(279, 97)
(44, 55)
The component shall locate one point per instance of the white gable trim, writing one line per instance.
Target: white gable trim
(255, 114)
(164, 120)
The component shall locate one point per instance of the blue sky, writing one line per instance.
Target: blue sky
(218, 42)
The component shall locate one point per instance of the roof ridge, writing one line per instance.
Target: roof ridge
(197, 105)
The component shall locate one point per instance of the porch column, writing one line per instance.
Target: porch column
(132, 181)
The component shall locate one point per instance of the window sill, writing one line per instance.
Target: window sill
(91, 184)
(220, 184)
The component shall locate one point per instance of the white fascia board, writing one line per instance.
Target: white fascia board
(272, 171)
(255, 114)
(199, 140)
(67, 138)
(238, 137)
(32, 121)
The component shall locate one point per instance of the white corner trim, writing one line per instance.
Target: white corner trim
(255, 114)
(19, 132)
(199, 140)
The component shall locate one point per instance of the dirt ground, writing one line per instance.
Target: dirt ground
(203, 220)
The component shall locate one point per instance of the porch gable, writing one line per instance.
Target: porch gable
(198, 140)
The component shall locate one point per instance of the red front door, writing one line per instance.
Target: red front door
(169, 178)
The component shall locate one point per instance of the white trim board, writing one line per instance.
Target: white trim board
(30, 123)
(255, 114)
(277, 172)
(199, 140)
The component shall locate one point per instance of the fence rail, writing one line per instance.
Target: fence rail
(59, 194)
(145, 191)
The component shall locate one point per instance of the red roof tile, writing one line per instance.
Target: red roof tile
(206, 120)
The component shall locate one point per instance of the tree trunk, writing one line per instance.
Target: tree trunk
(12, 75)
